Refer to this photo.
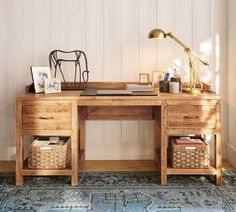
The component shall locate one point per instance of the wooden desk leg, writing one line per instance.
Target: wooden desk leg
(19, 144)
(157, 134)
(218, 146)
(164, 142)
(74, 145)
(81, 116)
(218, 159)
(164, 160)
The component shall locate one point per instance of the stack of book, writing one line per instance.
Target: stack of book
(189, 141)
(137, 87)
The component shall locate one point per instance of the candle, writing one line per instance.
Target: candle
(174, 87)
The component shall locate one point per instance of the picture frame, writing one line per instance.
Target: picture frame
(39, 74)
(157, 76)
(52, 85)
(143, 79)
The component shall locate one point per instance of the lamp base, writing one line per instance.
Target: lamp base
(192, 91)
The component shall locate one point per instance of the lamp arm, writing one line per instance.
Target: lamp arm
(186, 48)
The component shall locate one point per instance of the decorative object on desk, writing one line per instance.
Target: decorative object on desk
(136, 87)
(176, 78)
(157, 76)
(39, 74)
(164, 86)
(194, 76)
(143, 79)
(78, 58)
(174, 87)
(52, 85)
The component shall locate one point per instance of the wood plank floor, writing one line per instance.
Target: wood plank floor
(125, 165)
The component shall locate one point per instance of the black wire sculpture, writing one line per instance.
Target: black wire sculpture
(79, 56)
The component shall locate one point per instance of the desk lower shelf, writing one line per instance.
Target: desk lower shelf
(178, 171)
(44, 172)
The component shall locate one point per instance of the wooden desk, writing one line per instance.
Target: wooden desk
(63, 114)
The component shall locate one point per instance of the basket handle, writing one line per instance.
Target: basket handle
(191, 117)
(46, 118)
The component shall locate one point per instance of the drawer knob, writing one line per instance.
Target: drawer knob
(46, 118)
(191, 117)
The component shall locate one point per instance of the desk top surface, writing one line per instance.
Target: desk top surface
(75, 95)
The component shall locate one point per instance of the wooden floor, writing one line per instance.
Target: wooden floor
(125, 165)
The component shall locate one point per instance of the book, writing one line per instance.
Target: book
(189, 141)
(137, 87)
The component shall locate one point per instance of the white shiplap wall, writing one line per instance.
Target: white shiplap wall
(113, 33)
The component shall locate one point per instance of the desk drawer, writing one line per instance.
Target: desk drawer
(46, 117)
(191, 116)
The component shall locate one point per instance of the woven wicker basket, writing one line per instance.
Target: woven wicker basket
(182, 156)
(45, 154)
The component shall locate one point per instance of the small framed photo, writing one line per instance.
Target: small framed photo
(157, 76)
(143, 79)
(52, 85)
(39, 74)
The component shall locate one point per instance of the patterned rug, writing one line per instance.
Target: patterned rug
(119, 192)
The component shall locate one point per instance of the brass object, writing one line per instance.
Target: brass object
(194, 76)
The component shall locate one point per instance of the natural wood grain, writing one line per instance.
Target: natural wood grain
(218, 146)
(191, 116)
(93, 165)
(119, 113)
(164, 142)
(81, 120)
(208, 171)
(38, 172)
(74, 144)
(118, 165)
(19, 144)
(167, 111)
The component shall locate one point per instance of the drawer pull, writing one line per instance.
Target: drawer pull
(46, 118)
(191, 117)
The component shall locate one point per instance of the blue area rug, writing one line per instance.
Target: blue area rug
(120, 192)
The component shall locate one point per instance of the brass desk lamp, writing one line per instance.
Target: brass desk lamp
(194, 76)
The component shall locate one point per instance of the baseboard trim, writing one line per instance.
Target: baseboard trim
(231, 155)
(7, 166)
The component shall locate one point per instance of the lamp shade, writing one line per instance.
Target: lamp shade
(157, 33)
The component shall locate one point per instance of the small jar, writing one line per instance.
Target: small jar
(174, 87)
(177, 79)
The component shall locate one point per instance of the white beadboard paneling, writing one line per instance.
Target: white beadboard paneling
(130, 132)
(130, 59)
(23, 44)
(201, 35)
(112, 132)
(183, 31)
(77, 24)
(112, 60)
(5, 77)
(41, 32)
(114, 151)
(165, 22)
(112, 41)
(130, 40)
(148, 58)
(221, 64)
(60, 34)
(95, 52)
(95, 38)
